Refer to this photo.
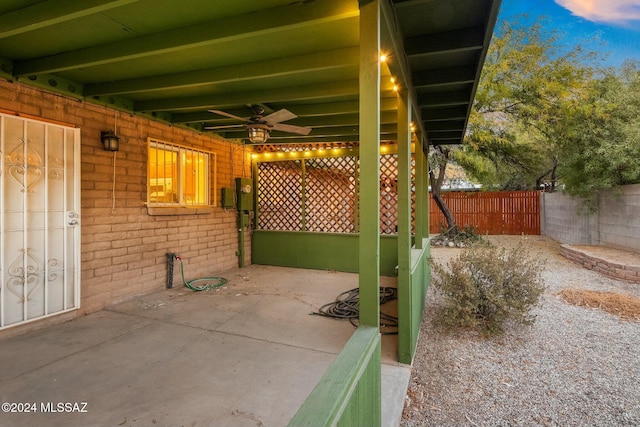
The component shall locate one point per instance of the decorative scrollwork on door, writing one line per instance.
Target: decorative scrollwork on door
(20, 275)
(25, 166)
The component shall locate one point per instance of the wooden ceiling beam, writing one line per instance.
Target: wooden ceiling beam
(52, 12)
(289, 66)
(336, 108)
(328, 121)
(445, 126)
(283, 94)
(328, 91)
(308, 140)
(443, 99)
(450, 41)
(322, 112)
(444, 76)
(446, 113)
(445, 135)
(319, 132)
(241, 27)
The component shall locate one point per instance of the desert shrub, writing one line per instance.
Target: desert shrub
(469, 234)
(465, 236)
(486, 286)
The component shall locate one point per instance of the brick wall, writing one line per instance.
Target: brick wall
(124, 249)
(616, 223)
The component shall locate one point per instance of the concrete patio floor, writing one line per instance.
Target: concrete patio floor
(247, 354)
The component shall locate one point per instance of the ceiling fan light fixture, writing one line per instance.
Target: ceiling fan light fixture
(258, 133)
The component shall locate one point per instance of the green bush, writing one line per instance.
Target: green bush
(486, 286)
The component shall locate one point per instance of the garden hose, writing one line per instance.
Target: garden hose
(346, 306)
(219, 281)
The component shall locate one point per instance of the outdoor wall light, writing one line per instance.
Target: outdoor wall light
(258, 133)
(110, 141)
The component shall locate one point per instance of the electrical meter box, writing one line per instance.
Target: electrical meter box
(245, 220)
(228, 198)
(244, 193)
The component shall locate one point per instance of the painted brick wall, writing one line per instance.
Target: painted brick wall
(124, 248)
(615, 224)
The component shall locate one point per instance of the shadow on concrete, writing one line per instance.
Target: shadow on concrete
(245, 354)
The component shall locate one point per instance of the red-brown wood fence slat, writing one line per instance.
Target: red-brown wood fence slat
(499, 212)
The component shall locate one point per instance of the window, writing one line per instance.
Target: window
(179, 176)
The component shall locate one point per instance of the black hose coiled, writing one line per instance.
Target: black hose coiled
(347, 306)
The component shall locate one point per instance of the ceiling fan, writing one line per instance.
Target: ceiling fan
(259, 126)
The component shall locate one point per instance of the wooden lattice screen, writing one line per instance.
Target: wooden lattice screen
(388, 194)
(330, 188)
(280, 195)
(319, 194)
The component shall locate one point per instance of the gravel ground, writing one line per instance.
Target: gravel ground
(574, 367)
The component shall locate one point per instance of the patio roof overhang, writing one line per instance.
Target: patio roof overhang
(176, 60)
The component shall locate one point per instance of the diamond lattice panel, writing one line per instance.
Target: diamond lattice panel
(280, 196)
(329, 200)
(413, 195)
(388, 194)
(330, 194)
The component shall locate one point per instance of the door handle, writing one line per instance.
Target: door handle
(72, 218)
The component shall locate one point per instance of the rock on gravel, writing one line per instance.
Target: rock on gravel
(574, 367)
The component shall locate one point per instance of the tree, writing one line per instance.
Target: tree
(531, 92)
(602, 145)
(438, 160)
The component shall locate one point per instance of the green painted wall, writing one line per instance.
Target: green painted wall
(318, 251)
(411, 302)
(348, 394)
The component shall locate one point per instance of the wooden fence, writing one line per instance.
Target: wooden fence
(501, 212)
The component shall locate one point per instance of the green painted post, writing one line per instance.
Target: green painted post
(369, 241)
(356, 201)
(369, 244)
(404, 229)
(421, 171)
(425, 198)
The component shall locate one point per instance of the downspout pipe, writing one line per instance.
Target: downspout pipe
(240, 241)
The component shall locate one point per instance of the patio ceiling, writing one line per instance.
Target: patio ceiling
(176, 60)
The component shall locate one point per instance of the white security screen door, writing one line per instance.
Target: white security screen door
(39, 220)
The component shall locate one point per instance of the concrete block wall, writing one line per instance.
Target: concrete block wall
(563, 218)
(124, 247)
(619, 214)
(615, 224)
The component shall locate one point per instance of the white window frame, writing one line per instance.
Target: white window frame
(210, 180)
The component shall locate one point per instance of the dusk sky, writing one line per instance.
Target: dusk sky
(615, 23)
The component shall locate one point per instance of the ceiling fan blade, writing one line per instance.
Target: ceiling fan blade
(223, 127)
(224, 113)
(301, 130)
(279, 116)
